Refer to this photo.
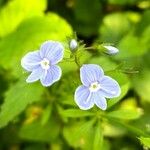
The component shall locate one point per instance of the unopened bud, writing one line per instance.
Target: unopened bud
(73, 44)
(111, 50)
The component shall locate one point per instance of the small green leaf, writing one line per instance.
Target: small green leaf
(112, 130)
(128, 114)
(65, 65)
(123, 2)
(136, 131)
(78, 134)
(89, 19)
(144, 22)
(142, 81)
(133, 46)
(145, 141)
(104, 62)
(75, 113)
(17, 98)
(46, 114)
(18, 10)
(98, 139)
(116, 28)
(37, 132)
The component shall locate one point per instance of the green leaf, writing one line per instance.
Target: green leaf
(35, 146)
(132, 46)
(98, 139)
(46, 114)
(37, 132)
(106, 145)
(144, 22)
(104, 62)
(145, 38)
(123, 2)
(78, 134)
(66, 89)
(113, 31)
(75, 113)
(112, 130)
(29, 36)
(18, 10)
(142, 81)
(131, 128)
(89, 19)
(127, 114)
(65, 65)
(143, 122)
(17, 98)
(145, 141)
(2, 2)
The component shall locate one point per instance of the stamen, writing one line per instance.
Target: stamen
(45, 64)
(94, 87)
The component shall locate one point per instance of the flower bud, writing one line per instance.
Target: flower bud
(111, 50)
(73, 44)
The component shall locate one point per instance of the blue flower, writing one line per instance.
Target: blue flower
(42, 63)
(111, 50)
(96, 88)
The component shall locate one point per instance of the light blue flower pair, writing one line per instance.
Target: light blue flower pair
(96, 86)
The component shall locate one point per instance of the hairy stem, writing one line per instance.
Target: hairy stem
(77, 61)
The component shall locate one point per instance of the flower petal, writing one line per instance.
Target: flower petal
(52, 75)
(90, 73)
(82, 98)
(99, 100)
(53, 51)
(35, 75)
(31, 60)
(109, 87)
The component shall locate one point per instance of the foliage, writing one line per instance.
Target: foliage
(33, 117)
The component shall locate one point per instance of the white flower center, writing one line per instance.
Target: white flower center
(94, 87)
(45, 64)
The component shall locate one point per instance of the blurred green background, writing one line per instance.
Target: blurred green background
(36, 118)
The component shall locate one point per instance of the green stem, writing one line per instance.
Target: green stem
(77, 61)
(89, 48)
(48, 96)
